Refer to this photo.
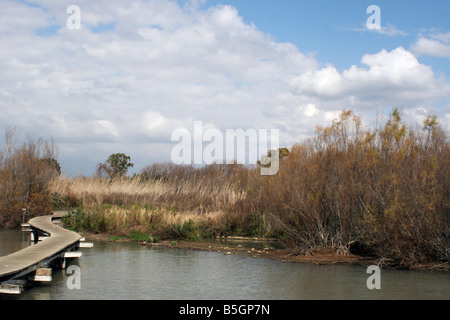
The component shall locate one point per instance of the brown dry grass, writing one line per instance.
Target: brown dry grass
(136, 203)
(183, 195)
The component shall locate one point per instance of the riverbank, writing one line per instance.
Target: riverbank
(322, 256)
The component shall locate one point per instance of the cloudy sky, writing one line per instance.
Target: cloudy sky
(137, 70)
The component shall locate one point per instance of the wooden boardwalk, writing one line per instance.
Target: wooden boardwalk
(41, 254)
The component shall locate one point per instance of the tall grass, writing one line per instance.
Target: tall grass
(206, 198)
(197, 194)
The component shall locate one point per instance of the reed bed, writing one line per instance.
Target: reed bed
(163, 207)
(201, 195)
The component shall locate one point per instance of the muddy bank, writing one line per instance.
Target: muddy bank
(323, 256)
(318, 256)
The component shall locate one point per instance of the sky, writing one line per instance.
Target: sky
(137, 70)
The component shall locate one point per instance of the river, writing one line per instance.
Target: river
(123, 270)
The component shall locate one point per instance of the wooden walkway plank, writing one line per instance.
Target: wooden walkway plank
(31, 258)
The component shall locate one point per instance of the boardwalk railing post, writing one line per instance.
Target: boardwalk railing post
(35, 236)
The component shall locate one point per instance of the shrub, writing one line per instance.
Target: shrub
(24, 177)
(139, 236)
(384, 191)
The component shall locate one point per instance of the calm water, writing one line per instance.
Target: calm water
(13, 240)
(128, 271)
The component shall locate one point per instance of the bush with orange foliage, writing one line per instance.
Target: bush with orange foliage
(382, 192)
(24, 175)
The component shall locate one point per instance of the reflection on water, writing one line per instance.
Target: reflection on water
(248, 243)
(12, 241)
(129, 271)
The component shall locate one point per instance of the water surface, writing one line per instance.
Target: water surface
(113, 270)
(13, 240)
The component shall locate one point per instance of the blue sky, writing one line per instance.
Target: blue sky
(327, 27)
(138, 70)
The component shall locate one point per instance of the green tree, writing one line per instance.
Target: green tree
(430, 123)
(283, 153)
(115, 166)
(53, 163)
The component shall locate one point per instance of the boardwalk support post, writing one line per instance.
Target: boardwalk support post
(35, 236)
(12, 286)
(43, 274)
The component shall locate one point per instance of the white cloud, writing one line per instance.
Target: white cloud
(310, 110)
(437, 45)
(159, 66)
(391, 30)
(387, 30)
(394, 77)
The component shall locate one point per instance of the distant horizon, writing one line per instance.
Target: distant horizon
(89, 172)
